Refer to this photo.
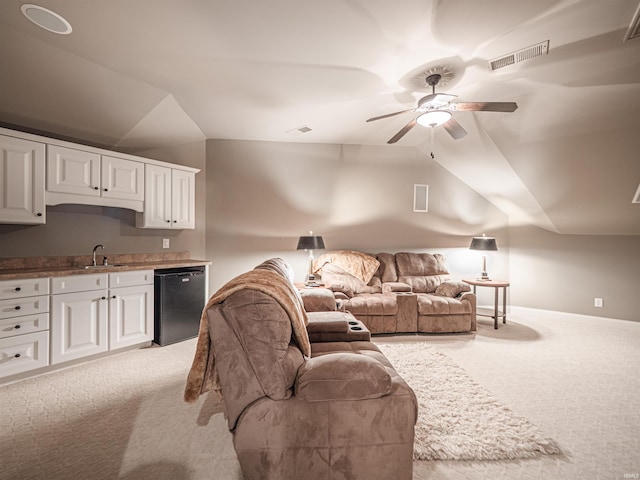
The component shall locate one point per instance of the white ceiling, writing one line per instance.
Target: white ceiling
(142, 74)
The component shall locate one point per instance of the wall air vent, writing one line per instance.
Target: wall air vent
(523, 55)
(636, 197)
(634, 27)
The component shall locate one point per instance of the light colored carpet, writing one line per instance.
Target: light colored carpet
(122, 417)
(457, 418)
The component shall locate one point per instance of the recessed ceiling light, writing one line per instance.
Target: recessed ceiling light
(46, 19)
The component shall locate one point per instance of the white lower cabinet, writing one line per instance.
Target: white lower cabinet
(130, 308)
(102, 317)
(78, 325)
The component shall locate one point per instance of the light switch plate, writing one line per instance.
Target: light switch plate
(165, 243)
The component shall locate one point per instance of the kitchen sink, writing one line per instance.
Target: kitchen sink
(91, 267)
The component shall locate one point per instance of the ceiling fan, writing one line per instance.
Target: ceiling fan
(435, 109)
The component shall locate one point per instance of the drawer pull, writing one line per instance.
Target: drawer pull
(17, 355)
(114, 297)
(18, 307)
(17, 289)
(103, 298)
(17, 327)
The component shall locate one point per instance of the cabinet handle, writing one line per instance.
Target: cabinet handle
(106, 189)
(175, 221)
(17, 355)
(18, 307)
(168, 221)
(17, 326)
(103, 298)
(38, 214)
(17, 289)
(96, 188)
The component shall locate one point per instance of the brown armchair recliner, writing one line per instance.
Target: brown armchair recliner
(343, 413)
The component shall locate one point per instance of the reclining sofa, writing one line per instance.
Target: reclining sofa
(399, 293)
(306, 395)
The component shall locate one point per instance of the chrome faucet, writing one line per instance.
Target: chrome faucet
(94, 254)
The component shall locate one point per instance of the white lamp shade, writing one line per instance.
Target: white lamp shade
(433, 118)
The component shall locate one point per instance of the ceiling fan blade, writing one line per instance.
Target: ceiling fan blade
(390, 115)
(454, 128)
(403, 131)
(485, 106)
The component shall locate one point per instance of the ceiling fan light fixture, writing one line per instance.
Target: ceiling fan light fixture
(433, 118)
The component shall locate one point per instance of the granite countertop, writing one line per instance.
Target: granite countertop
(39, 267)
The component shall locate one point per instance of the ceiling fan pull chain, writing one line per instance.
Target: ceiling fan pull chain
(433, 129)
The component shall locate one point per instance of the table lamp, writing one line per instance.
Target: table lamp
(310, 243)
(486, 244)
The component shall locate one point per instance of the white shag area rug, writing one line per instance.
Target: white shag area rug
(457, 418)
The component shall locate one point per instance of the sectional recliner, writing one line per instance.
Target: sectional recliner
(404, 292)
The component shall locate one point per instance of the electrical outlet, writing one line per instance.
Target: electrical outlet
(598, 302)
(165, 243)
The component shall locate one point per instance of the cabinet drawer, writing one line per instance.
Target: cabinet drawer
(127, 279)
(10, 327)
(79, 283)
(23, 353)
(28, 287)
(18, 307)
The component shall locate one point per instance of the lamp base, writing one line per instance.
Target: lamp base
(484, 277)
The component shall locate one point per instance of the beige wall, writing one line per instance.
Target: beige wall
(566, 272)
(75, 229)
(261, 196)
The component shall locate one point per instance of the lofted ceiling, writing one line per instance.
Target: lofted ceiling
(142, 74)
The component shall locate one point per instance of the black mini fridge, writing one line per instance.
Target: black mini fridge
(179, 297)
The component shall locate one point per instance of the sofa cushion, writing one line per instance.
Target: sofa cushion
(429, 304)
(422, 271)
(449, 288)
(264, 332)
(372, 304)
(342, 376)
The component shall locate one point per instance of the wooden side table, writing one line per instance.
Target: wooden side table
(497, 285)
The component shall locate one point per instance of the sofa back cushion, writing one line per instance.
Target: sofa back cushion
(387, 271)
(252, 344)
(424, 272)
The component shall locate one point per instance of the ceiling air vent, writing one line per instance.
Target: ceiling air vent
(298, 130)
(634, 27)
(523, 55)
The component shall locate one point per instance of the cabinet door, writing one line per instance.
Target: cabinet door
(130, 316)
(73, 171)
(122, 178)
(78, 325)
(157, 197)
(22, 167)
(183, 197)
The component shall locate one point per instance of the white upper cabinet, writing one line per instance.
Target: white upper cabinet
(73, 171)
(22, 171)
(169, 200)
(122, 178)
(36, 171)
(100, 179)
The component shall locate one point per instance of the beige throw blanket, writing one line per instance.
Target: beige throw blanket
(358, 264)
(202, 376)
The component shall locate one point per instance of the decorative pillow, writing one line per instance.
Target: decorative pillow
(358, 264)
(342, 376)
(450, 288)
(335, 276)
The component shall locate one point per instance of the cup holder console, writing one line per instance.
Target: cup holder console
(353, 322)
(356, 328)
